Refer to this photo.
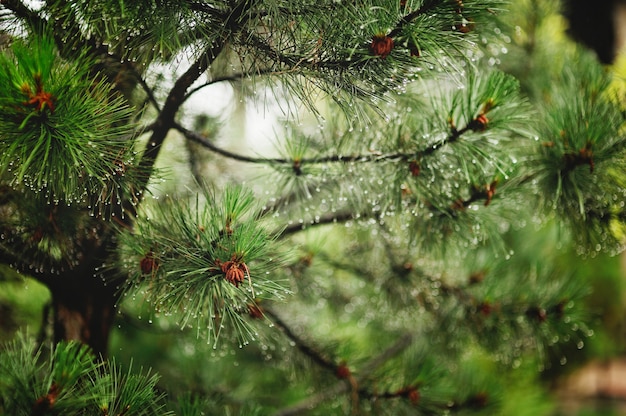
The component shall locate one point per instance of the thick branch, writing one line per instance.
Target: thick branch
(23, 12)
(165, 120)
(176, 97)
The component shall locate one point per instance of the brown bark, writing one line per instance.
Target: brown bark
(84, 310)
(83, 295)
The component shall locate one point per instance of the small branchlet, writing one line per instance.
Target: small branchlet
(485, 193)
(411, 393)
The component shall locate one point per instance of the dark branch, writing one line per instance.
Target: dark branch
(21, 11)
(315, 355)
(203, 7)
(342, 387)
(165, 121)
(371, 157)
(427, 6)
(229, 78)
(333, 218)
(198, 138)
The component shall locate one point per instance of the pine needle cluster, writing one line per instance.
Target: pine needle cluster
(62, 133)
(207, 262)
(71, 381)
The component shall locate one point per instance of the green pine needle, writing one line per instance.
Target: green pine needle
(206, 261)
(62, 133)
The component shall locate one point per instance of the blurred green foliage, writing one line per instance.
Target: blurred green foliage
(22, 303)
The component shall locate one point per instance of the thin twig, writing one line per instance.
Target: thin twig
(200, 139)
(22, 11)
(412, 16)
(342, 387)
(332, 218)
(454, 136)
(308, 350)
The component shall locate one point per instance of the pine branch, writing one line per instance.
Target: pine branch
(454, 135)
(407, 19)
(200, 139)
(241, 76)
(149, 92)
(176, 97)
(23, 12)
(166, 119)
(293, 64)
(332, 218)
(208, 9)
(478, 193)
(364, 373)
(308, 350)
(474, 402)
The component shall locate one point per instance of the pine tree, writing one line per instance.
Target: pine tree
(376, 249)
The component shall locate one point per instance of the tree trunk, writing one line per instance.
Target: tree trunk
(84, 310)
(83, 298)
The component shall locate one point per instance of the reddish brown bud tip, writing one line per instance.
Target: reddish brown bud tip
(381, 45)
(148, 264)
(490, 191)
(255, 311)
(343, 371)
(485, 308)
(476, 277)
(413, 395)
(479, 123)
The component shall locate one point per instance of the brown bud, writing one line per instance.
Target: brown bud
(381, 45)
(148, 264)
(255, 311)
(485, 308)
(479, 123)
(343, 371)
(413, 395)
